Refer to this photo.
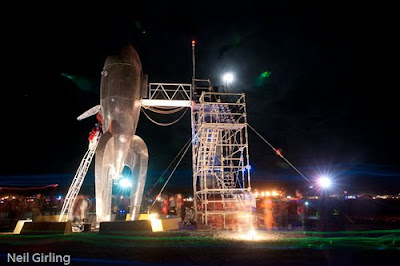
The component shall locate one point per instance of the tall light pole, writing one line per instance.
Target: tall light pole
(193, 67)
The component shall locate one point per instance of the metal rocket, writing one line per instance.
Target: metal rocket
(121, 88)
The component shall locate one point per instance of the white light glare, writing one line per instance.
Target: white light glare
(252, 234)
(228, 77)
(325, 182)
(125, 183)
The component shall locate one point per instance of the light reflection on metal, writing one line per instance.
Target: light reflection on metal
(121, 90)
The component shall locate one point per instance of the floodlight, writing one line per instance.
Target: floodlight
(324, 182)
(228, 77)
(125, 183)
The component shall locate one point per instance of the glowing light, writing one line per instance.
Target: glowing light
(188, 199)
(67, 76)
(306, 203)
(267, 193)
(252, 234)
(324, 182)
(274, 193)
(256, 194)
(125, 183)
(265, 74)
(228, 77)
(166, 103)
(249, 235)
(156, 224)
(193, 42)
(289, 197)
(59, 197)
(262, 194)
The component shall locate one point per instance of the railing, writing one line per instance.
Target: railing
(170, 91)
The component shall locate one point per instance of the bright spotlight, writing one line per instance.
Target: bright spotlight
(125, 183)
(228, 77)
(252, 234)
(324, 182)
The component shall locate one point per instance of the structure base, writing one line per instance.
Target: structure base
(46, 228)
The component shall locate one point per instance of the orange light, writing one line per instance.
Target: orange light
(193, 42)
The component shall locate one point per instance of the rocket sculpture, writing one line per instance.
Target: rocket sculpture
(121, 87)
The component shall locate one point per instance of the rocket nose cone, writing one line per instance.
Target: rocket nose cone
(129, 55)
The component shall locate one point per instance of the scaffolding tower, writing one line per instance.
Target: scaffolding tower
(221, 170)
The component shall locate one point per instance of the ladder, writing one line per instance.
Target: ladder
(77, 182)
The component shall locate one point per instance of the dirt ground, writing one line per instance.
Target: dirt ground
(210, 248)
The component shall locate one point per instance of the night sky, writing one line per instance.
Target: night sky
(329, 102)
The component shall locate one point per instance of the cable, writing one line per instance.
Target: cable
(163, 124)
(165, 111)
(173, 171)
(279, 153)
(190, 139)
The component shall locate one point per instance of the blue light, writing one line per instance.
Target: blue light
(59, 197)
(125, 183)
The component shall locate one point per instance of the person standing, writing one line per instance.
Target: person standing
(268, 209)
(37, 207)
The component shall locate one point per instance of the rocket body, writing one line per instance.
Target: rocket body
(120, 101)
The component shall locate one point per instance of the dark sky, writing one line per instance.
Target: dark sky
(329, 103)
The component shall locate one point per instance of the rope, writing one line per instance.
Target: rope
(163, 124)
(171, 111)
(171, 163)
(173, 171)
(279, 153)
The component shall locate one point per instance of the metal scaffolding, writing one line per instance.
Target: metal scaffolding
(221, 170)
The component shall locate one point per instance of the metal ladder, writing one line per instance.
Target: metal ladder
(77, 182)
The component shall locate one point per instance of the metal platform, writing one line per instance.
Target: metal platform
(221, 171)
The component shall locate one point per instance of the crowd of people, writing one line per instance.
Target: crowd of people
(272, 213)
(23, 207)
(281, 214)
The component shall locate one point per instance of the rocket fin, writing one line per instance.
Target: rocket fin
(92, 111)
(137, 161)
